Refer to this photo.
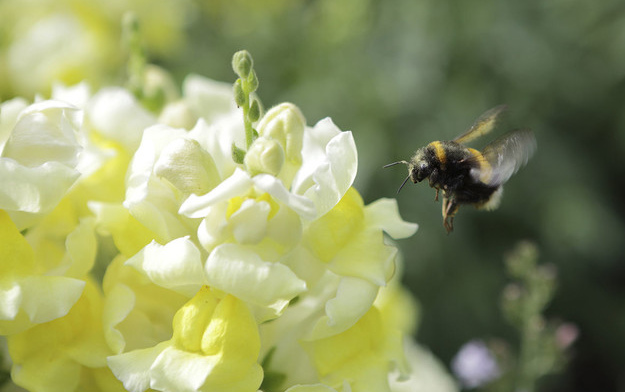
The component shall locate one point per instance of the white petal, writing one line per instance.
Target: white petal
(242, 273)
(427, 372)
(77, 95)
(303, 206)
(354, 298)
(175, 265)
(329, 165)
(46, 298)
(9, 112)
(177, 370)
(45, 131)
(115, 113)
(150, 200)
(249, 222)
(213, 229)
(238, 184)
(133, 368)
(313, 153)
(383, 213)
(207, 98)
(154, 140)
(217, 139)
(10, 300)
(33, 190)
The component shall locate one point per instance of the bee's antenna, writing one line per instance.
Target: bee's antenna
(395, 163)
(407, 178)
(403, 183)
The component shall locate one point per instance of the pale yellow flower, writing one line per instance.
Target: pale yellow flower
(39, 159)
(61, 355)
(217, 274)
(215, 344)
(27, 296)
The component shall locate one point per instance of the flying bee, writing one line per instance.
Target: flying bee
(466, 175)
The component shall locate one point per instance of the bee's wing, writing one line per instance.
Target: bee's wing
(483, 125)
(508, 153)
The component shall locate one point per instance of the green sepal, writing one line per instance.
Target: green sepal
(240, 96)
(238, 154)
(251, 82)
(254, 114)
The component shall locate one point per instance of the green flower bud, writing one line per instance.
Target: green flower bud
(240, 96)
(264, 156)
(242, 63)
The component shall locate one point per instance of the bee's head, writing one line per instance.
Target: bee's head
(419, 167)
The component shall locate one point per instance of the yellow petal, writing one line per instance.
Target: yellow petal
(364, 339)
(191, 320)
(16, 254)
(326, 236)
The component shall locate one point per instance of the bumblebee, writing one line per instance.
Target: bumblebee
(466, 175)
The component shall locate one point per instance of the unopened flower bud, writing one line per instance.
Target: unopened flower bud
(285, 123)
(265, 156)
(187, 167)
(242, 63)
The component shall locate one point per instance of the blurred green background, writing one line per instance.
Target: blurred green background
(400, 74)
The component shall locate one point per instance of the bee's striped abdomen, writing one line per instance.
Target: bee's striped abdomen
(485, 170)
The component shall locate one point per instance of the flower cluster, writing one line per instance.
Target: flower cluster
(138, 254)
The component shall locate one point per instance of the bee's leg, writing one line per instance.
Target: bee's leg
(445, 205)
(449, 211)
(436, 198)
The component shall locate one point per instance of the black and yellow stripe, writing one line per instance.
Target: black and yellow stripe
(439, 151)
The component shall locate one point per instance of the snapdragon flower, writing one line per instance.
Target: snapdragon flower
(266, 272)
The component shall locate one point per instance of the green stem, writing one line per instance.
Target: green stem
(136, 56)
(249, 131)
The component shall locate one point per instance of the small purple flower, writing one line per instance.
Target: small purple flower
(474, 365)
